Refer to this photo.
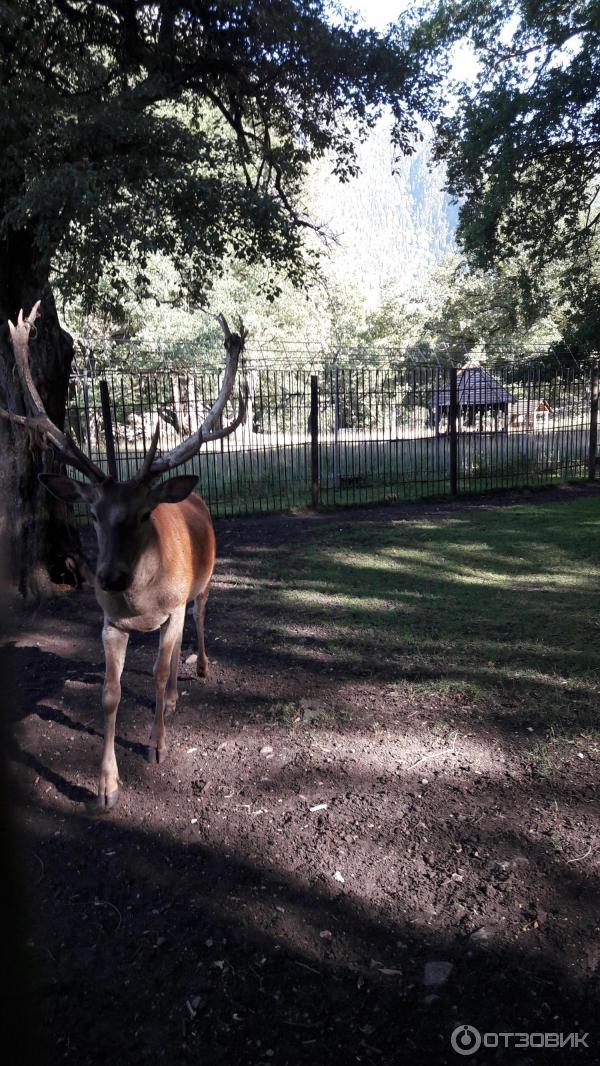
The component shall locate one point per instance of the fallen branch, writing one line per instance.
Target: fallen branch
(437, 754)
(578, 858)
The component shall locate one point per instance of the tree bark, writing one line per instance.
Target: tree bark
(36, 534)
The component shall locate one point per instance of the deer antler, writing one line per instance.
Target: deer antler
(234, 344)
(144, 470)
(37, 419)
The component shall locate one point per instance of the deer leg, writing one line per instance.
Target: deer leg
(115, 648)
(172, 694)
(170, 634)
(199, 612)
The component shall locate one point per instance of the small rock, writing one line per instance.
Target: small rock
(326, 934)
(436, 973)
(481, 935)
(339, 877)
(312, 710)
(267, 750)
(191, 659)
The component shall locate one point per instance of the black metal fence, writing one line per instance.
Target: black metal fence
(347, 436)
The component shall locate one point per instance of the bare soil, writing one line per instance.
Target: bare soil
(214, 917)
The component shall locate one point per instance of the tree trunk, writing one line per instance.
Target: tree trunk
(36, 535)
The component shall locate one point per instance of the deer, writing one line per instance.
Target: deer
(156, 545)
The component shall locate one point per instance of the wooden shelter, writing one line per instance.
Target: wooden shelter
(530, 414)
(478, 393)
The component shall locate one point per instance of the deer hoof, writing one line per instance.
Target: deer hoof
(105, 801)
(155, 755)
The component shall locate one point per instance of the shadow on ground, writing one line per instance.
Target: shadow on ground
(449, 754)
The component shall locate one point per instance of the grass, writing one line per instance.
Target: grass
(494, 608)
(263, 478)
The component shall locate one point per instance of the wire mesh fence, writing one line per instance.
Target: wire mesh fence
(343, 436)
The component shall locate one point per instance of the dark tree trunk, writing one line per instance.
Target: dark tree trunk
(36, 535)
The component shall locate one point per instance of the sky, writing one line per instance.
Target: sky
(379, 14)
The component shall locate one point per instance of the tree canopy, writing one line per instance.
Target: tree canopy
(130, 130)
(522, 141)
(186, 128)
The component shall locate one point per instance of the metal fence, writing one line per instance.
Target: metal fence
(348, 436)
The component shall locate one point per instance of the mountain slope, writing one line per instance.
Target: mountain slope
(393, 222)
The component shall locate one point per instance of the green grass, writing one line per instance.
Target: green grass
(495, 608)
(264, 479)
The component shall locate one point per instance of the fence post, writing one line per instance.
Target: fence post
(314, 439)
(593, 423)
(453, 430)
(108, 430)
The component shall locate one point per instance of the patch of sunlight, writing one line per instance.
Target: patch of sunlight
(245, 582)
(391, 559)
(499, 673)
(417, 555)
(372, 562)
(575, 579)
(351, 638)
(251, 583)
(468, 547)
(255, 549)
(539, 649)
(399, 559)
(314, 598)
(406, 753)
(429, 524)
(313, 632)
(64, 647)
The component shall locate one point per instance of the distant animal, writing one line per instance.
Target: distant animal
(156, 546)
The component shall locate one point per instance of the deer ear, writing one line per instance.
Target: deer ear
(174, 490)
(64, 488)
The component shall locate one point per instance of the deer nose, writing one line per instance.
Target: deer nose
(113, 580)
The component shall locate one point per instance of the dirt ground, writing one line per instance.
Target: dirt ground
(293, 886)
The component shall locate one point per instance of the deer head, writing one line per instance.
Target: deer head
(120, 510)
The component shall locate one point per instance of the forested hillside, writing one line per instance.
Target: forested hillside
(393, 222)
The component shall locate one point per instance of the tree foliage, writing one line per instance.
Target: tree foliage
(130, 130)
(522, 146)
(184, 128)
(458, 312)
